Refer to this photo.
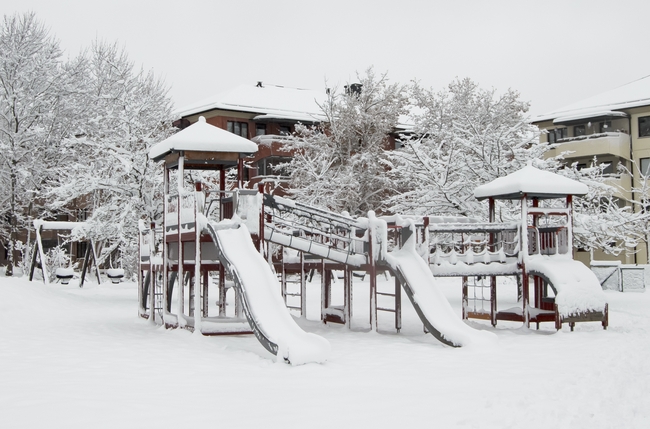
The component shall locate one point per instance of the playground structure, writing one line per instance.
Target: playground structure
(231, 238)
(539, 248)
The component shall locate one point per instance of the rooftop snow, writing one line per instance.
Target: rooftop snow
(533, 182)
(272, 100)
(201, 136)
(591, 114)
(633, 94)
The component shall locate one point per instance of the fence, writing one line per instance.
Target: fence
(620, 277)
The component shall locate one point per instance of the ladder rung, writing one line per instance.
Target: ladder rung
(386, 309)
(292, 294)
(293, 308)
(386, 294)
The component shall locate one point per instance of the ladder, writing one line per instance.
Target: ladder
(396, 296)
(295, 290)
(479, 298)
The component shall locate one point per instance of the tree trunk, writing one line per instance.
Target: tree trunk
(13, 221)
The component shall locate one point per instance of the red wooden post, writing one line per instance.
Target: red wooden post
(373, 280)
(222, 190)
(493, 279)
(260, 189)
(347, 296)
(326, 284)
(465, 299)
(222, 271)
(240, 173)
(204, 309)
(493, 300)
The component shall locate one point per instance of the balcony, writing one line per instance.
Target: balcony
(612, 143)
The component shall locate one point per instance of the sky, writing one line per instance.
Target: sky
(554, 52)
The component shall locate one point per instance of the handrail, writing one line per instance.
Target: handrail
(293, 219)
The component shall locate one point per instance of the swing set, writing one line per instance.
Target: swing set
(87, 252)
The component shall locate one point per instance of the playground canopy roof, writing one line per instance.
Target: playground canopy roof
(201, 137)
(533, 182)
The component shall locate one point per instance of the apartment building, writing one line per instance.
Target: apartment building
(263, 113)
(613, 126)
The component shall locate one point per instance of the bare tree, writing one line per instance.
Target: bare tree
(127, 110)
(34, 115)
(462, 137)
(339, 165)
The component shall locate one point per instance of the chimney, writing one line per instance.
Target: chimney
(353, 89)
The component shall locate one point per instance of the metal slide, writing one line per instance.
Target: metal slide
(399, 275)
(259, 290)
(431, 305)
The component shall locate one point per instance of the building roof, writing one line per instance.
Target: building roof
(202, 137)
(268, 101)
(533, 182)
(633, 94)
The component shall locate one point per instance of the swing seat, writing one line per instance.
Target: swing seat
(64, 275)
(115, 275)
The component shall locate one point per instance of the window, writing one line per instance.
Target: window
(645, 166)
(644, 126)
(82, 246)
(82, 215)
(239, 128)
(645, 205)
(609, 168)
(260, 129)
(285, 130)
(605, 126)
(556, 134)
(579, 130)
(270, 166)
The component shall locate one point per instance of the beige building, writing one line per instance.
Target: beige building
(614, 126)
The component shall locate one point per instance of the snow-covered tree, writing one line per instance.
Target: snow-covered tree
(34, 116)
(632, 225)
(339, 164)
(603, 220)
(462, 137)
(127, 110)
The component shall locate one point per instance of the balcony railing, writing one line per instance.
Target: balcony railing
(613, 143)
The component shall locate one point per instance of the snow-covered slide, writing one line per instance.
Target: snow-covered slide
(259, 289)
(429, 302)
(577, 290)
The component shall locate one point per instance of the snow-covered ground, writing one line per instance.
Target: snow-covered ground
(81, 358)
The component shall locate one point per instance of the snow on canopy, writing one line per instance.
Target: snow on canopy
(272, 100)
(532, 182)
(633, 94)
(201, 136)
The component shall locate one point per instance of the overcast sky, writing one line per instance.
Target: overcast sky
(554, 52)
